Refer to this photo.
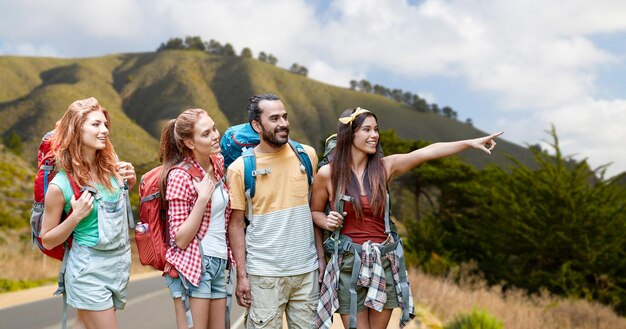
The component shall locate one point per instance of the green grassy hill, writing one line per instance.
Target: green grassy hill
(144, 90)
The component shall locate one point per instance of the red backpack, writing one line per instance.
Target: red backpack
(45, 163)
(151, 233)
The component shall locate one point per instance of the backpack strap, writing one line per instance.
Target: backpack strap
(129, 210)
(196, 175)
(340, 200)
(305, 161)
(66, 246)
(250, 172)
(47, 168)
(356, 251)
(387, 214)
(249, 176)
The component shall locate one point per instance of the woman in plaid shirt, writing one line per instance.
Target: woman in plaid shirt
(359, 170)
(198, 213)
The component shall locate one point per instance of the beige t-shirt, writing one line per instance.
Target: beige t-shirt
(279, 239)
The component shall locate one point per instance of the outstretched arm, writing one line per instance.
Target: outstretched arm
(398, 164)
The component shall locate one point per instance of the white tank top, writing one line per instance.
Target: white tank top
(214, 242)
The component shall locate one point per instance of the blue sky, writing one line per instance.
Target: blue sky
(517, 66)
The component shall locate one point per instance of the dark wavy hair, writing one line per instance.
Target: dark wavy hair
(254, 111)
(344, 179)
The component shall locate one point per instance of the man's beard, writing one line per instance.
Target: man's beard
(271, 138)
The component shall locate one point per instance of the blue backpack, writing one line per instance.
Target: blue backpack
(240, 140)
(235, 140)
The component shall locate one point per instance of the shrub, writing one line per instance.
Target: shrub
(474, 320)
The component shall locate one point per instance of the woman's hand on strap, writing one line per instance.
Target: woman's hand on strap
(334, 220)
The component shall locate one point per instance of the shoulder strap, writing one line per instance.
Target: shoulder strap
(75, 187)
(249, 172)
(218, 163)
(47, 166)
(305, 161)
(249, 177)
(189, 168)
(340, 200)
(387, 214)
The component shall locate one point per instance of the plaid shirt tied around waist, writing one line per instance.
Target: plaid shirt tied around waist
(371, 275)
(181, 197)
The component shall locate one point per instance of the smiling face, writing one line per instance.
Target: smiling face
(206, 138)
(274, 125)
(95, 131)
(366, 136)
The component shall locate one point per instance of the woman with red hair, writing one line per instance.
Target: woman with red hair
(98, 264)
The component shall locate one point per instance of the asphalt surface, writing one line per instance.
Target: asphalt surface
(149, 306)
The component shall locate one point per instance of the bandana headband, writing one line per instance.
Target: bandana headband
(348, 120)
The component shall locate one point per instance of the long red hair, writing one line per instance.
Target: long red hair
(67, 143)
(345, 180)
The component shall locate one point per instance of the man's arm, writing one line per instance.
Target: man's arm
(237, 239)
(321, 256)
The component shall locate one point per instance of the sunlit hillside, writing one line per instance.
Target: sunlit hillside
(144, 90)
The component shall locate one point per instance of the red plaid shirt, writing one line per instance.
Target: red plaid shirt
(181, 196)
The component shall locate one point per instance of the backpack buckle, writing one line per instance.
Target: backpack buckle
(347, 198)
(261, 172)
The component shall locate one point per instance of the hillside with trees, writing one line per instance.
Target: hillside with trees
(526, 218)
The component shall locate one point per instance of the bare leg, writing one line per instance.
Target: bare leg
(98, 319)
(217, 314)
(78, 322)
(379, 320)
(200, 312)
(362, 320)
(179, 310)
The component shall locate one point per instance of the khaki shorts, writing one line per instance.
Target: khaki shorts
(295, 295)
(361, 292)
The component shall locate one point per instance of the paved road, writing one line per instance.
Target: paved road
(149, 306)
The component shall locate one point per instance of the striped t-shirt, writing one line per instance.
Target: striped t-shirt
(279, 239)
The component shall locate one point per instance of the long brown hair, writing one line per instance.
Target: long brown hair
(67, 143)
(344, 179)
(172, 148)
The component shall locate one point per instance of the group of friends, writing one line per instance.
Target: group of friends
(281, 265)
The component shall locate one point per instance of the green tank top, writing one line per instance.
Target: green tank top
(86, 232)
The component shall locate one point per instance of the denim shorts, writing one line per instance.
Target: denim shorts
(97, 280)
(212, 283)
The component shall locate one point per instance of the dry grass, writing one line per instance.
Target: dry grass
(19, 261)
(445, 299)
(437, 300)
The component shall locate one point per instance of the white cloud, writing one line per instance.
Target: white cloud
(525, 56)
(322, 71)
(427, 95)
(593, 129)
(281, 27)
(28, 49)
(38, 20)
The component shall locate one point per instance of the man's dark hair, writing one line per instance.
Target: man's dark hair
(254, 111)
